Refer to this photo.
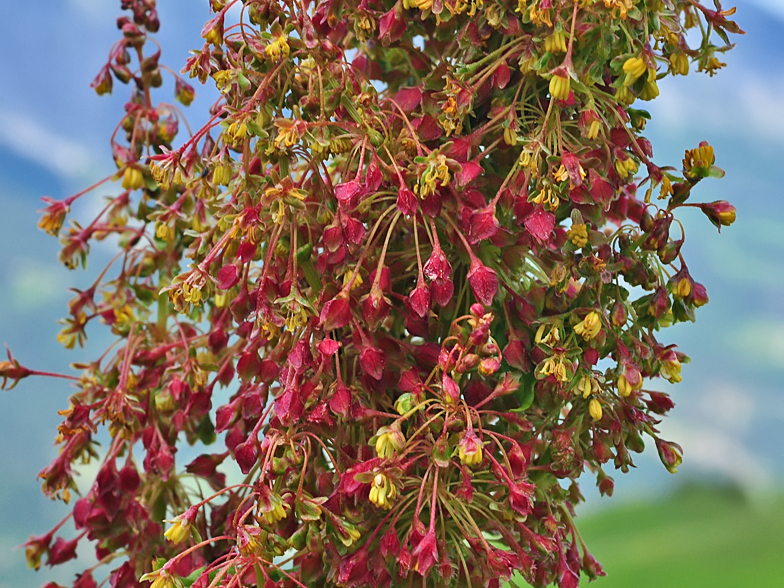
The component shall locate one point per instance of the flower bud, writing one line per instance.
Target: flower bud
(488, 366)
(102, 84)
(468, 362)
(669, 252)
(721, 213)
(133, 178)
(619, 316)
(671, 454)
(624, 388)
(659, 233)
(660, 303)
(595, 409)
(682, 288)
(699, 294)
(469, 449)
(450, 390)
(405, 403)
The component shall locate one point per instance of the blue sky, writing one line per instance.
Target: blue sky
(54, 140)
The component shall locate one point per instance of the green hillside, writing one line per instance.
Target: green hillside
(699, 537)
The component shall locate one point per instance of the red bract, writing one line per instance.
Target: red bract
(483, 282)
(426, 553)
(373, 360)
(540, 224)
(336, 313)
(437, 266)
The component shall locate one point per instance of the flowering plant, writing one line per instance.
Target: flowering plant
(424, 246)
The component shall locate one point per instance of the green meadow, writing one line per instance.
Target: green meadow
(699, 537)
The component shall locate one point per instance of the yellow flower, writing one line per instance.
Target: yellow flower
(436, 173)
(540, 17)
(561, 175)
(214, 35)
(180, 531)
(494, 15)
(625, 388)
(421, 4)
(276, 510)
(133, 178)
(277, 48)
(162, 578)
(590, 326)
(682, 289)
(702, 156)
(223, 80)
(626, 167)
(556, 368)
(595, 409)
(51, 223)
(712, 65)
(556, 42)
(649, 91)
(279, 214)
(587, 386)
(221, 175)
(551, 339)
(578, 234)
(679, 64)
(593, 130)
(625, 96)
(287, 137)
(559, 87)
(164, 232)
(548, 197)
(382, 492)
(389, 442)
(561, 373)
(237, 131)
(666, 188)
(470, 450)
(191, 293)
(618, 8)
(160, 174)
(633, 67)
(671, 371)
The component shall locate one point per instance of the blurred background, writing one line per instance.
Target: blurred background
(719, 522)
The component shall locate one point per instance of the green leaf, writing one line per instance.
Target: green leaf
(193, 576)
(525, 393)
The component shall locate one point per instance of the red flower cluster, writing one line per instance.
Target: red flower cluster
(409, 244)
